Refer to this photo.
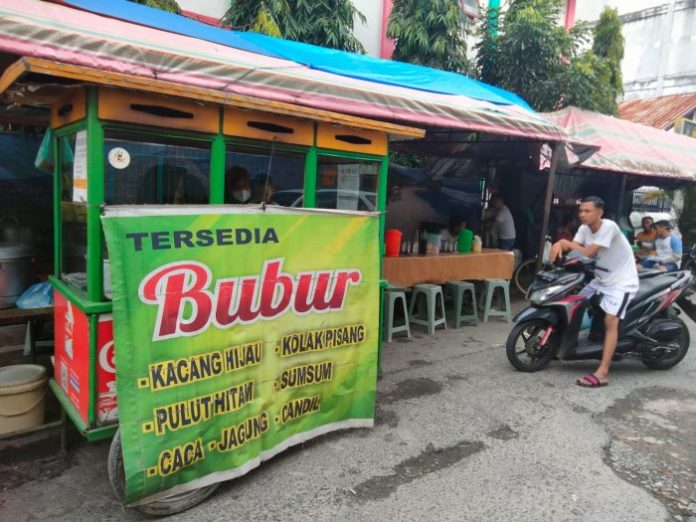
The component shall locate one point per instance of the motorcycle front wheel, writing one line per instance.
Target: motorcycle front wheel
(523, 347)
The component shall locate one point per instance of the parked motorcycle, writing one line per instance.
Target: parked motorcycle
(556, 324)
(687, 301)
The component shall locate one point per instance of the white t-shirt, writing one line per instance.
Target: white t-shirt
(667, 247)
(615, 256)
(506, 225)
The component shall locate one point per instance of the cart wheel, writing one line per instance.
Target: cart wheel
(163, 507)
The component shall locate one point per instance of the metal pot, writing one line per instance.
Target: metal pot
(16, 272)
(12, 232)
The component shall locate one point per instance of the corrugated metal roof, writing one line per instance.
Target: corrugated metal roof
(658, 112)
(628, 147)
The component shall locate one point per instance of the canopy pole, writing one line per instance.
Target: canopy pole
(547, 203)
(622, 194)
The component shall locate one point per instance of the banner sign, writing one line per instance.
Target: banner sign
(238, 333)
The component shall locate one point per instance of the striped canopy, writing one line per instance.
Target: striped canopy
(628, 147)
(57, 32)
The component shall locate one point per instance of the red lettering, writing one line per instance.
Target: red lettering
(185, 306)
(248, 307)
(277, 290)
(227, 304)
(309, 290)
(172, 287)
(343, 279)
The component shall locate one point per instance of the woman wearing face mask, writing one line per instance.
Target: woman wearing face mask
(237, 186)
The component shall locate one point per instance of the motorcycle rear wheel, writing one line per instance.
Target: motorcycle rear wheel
(665, 363)
(530, 333)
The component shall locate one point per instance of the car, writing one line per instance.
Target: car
(327, 198)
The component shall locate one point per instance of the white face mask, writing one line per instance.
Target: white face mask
(242, 195)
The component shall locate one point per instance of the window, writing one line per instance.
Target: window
(347, 184)
(256, 174)
(149, 170)
(73, 208)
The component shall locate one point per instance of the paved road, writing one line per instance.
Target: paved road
(459, 435)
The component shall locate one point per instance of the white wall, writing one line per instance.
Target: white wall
(214, 8)
(369, 33)
(660, 49)
(590, 10)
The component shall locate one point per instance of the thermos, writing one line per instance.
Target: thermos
(465, 240)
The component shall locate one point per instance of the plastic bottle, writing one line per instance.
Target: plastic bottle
(477, 244)
(423, 243)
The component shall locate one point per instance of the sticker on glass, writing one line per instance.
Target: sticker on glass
(119, 158)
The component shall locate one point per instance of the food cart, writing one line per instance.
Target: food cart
(122, 147)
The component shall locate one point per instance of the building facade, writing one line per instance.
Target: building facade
(660, 52)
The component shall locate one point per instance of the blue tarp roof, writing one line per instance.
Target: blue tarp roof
(329, 60)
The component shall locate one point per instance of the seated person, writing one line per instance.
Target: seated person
(176, 186)
(237, 186)
(646, 239)
(567, 229)
(668, 247)
(454, 226)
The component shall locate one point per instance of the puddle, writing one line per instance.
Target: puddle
(410, 389)
(409, 470)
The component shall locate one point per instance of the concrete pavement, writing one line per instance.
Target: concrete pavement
(459, 435)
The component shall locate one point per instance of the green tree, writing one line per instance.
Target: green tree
(538, 59)
(165, 5)
(328, 23)
(431, 33)
(608, 45)
(259, 16)
(530, 53)
(586, 83)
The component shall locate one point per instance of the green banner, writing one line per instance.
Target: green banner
(238, 333)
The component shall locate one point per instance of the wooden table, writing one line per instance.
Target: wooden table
(33, 318)
(410, 270)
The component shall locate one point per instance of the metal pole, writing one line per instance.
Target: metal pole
(622, 194)
(547, 203)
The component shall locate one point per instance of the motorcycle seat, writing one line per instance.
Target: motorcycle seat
(652, 285)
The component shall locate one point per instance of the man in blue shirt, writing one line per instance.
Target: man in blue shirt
(668, 249)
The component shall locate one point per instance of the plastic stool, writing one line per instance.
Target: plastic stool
(431, 294)
(490, 287)
(459, 290)
(391, 296)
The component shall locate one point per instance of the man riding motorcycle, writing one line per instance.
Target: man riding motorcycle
(616, 278)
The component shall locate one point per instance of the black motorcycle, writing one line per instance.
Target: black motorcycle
(559, 323)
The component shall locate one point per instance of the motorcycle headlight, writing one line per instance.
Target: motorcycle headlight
(539, 296)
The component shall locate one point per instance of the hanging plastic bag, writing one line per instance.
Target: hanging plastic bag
(39, 295)
(44, 157)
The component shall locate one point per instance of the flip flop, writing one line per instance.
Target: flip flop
(590, 381)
